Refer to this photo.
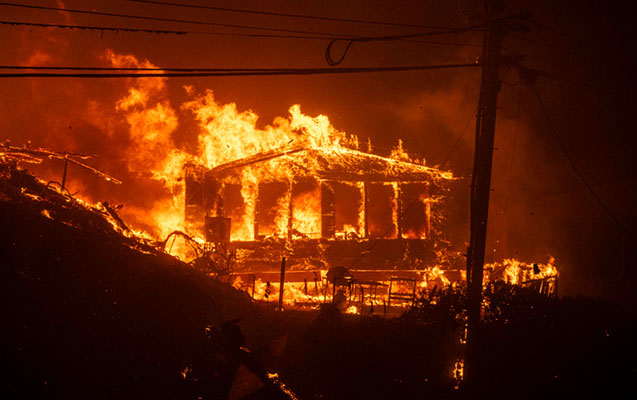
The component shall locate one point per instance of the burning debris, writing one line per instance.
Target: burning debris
(542, 278)
(55, 202)
(9, 153)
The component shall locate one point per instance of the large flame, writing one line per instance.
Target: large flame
(226, 135)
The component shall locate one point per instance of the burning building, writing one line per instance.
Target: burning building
(303, 190)
(321, 207)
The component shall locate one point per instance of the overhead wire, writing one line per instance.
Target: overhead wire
(159, 69)
(576, 170)
(314, 34)
(175, 20)
(290, 15)
(118, 29)
(92, 28)
(194, 73)
(350, 41)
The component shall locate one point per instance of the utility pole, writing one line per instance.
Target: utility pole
(481, 180)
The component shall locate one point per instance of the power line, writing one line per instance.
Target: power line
(172, 69)
(190, 32)
(181, 21)
(237, 72)
(577, 171)
(279, 14)
(351, 41)
(158, 31)
(93, 28)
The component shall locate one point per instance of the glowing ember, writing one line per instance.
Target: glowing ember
(458, 373)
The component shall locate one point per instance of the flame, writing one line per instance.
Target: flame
(361, 209)
(306, 216)
(152, 122)
(434, 276)
(226, 135)
(249, 190)
(516, 272)
(351, 310)
(458, 373)
(311, 294)
(282, 218)
(399, 153)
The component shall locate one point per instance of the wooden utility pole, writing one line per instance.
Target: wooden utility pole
(481, 179)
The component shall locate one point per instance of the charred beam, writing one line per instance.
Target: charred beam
(111, 211)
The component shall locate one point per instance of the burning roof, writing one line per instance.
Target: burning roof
(342, 164)
(300, 189)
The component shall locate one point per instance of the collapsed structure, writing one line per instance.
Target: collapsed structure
(321, 207)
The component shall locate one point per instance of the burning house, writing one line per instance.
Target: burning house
(321, 207)
(303, 190)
